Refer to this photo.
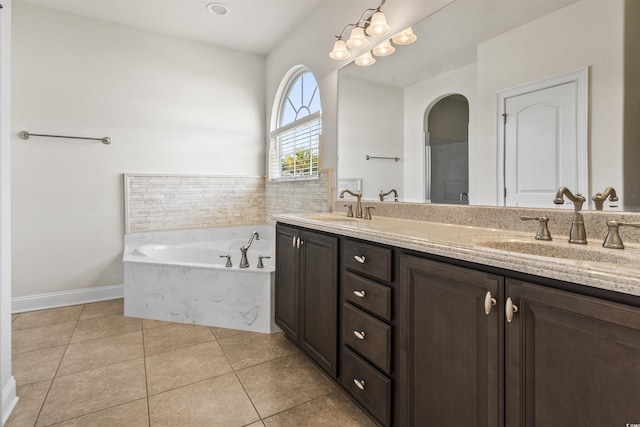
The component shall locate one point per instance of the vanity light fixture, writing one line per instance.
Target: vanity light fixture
(405, 37)
(365, 60)
(372, 22)
(384, 49)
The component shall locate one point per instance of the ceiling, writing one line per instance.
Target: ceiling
(254, 26)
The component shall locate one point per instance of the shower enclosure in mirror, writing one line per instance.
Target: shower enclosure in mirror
(476, 50)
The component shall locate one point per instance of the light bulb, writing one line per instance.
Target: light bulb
(339, 50)
(405, 37)
(365, 60)
(357, 39)
(378, 25)
(384, 49)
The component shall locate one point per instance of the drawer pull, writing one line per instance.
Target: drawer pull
(359, 294)
(360, 258)
(489, 301)
(510, 308)
(294, 241)
(359, 334)
(359, 383)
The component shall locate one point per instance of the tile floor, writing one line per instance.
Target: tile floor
(89, 365)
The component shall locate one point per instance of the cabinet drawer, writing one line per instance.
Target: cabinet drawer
(371, 260)
(369, 295)
(368, 386)
(368, 336)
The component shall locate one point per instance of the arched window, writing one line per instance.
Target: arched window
(295, 134)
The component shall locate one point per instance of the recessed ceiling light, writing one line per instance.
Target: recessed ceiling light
(218, 8)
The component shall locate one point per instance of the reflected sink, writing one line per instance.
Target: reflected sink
(565, 251)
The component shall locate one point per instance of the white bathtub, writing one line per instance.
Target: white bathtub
(180, 276)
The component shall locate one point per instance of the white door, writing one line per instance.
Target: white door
(544, 145)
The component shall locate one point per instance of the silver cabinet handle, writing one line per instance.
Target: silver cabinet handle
(510, 308)
(359, 383)
(300, 242)
(295, 238)
(360, 258)
(489, 302)
(359, 294)
(359, 334)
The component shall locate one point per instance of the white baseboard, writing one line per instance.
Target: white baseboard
(60, 299)
(9, 399)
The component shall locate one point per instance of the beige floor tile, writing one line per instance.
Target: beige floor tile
(150, 323)
(174, 336)
(105, 326)
(86, 392)
(13, 317)
(219, 401)
(101, 352)
(31, 399)
(40, 338)
(54, 316)
(256, 424)
(334, 409)
(187, 365)
(224, 332)
(284, 383)
(133, 414)
(103, 308)
(36, 365)
(252, 348)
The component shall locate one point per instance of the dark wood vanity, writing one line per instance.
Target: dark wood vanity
(424, 340)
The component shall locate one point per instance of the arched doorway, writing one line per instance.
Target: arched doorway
(446, 126)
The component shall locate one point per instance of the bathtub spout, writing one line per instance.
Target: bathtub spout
(244, 262)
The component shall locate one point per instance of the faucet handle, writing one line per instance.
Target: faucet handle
(367, 212)
(543, 229)
(612, 239)
(260, 258)
(228, 257)
(349, 210)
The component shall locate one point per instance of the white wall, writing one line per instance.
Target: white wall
(586, 34)
(375, 114)
(7, 382)
(169, 105)
(418, 98)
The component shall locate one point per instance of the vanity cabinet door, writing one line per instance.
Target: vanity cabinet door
(287, 299)
(319, 298)
(455, 348)
(570, 359)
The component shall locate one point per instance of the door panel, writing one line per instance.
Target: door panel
(287, 304)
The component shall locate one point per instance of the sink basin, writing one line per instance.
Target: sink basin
(565, 251)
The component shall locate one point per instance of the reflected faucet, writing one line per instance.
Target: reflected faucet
(382, 195)
(244, 262)
(600, 198)
(358, 195)
(577, 233)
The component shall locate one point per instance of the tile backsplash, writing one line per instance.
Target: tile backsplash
(165, 202)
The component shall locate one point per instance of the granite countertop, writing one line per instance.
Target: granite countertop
(589, 265)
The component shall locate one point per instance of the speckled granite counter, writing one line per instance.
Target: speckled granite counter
(590, 265)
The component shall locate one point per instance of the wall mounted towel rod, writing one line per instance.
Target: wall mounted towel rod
(385, 158)
(26, 135)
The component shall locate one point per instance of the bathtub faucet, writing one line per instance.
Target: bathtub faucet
(244, 262)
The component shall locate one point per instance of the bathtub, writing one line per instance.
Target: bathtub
(180, 276)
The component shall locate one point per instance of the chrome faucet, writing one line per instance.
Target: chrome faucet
(382, 195)
(358, 195)
(577, 233)
(244, 262)
(600, 198)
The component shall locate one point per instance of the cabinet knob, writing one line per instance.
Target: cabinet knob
(360, 258)
(359, 334)
(489, 302)
(359, 383)
(510, 308)
(359, 294)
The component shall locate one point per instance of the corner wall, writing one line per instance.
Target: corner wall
(170, 106)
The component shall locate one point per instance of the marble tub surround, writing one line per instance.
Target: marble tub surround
(200, 289)
(589, 265)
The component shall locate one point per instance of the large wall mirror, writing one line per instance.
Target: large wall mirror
(434, 120)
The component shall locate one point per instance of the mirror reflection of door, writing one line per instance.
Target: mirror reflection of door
(447, 151)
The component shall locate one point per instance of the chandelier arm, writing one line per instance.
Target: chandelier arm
(345, 29)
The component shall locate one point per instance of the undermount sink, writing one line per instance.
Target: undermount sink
(565, 251)
(328, 217)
